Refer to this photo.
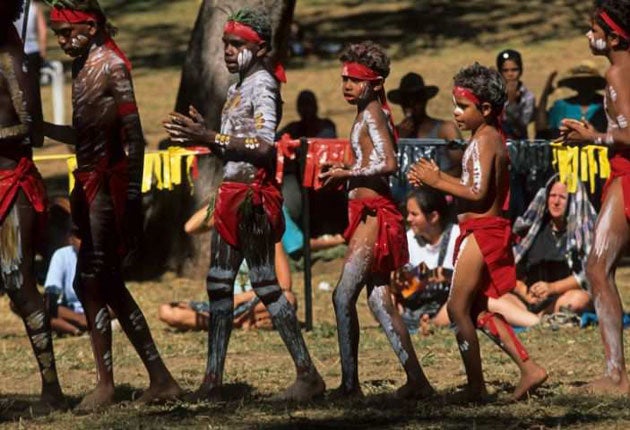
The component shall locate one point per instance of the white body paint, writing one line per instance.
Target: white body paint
(471, 154)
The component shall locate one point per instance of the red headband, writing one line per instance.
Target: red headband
(243, 31)
(73, 16)
(613, 25)
(247, 33)
(359, 71)
(467, 94)
(364, 73)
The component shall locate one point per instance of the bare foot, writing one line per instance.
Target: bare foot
(305, 388)
(101, 397)
(414, 391)
(606, 385)
(161, 392)
(530, 381)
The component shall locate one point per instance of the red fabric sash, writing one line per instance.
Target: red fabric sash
(117, 178)
(73, 16)
(620, 168)
(26, 177)
(494, 237)
(390, 249)
(322, 151)
(228, 202)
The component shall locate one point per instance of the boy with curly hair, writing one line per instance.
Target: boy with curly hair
(376, 238)
(609, 36)
(106, 201)
(22, 199)
(248, 216)
(484, 264)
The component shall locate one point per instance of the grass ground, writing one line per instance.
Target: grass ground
(155, 34)
(258, 367)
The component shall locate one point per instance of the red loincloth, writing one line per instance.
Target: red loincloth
(390, 250)
(117, 179)
(26, 177)
(494, 237)
(228, 202)
(620, 168)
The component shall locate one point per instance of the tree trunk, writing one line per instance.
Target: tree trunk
(203, 84)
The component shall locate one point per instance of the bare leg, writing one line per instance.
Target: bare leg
(512, 309)
(30, 306)
(162, 386)
(71, 318)
(308, 383)
(224, 263)
(611, 237)
(467, 283)
(345, 297)
(379, 300)
(501, 333)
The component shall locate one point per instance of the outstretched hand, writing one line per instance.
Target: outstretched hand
(333, 172)
(577, 132)
(188, 130)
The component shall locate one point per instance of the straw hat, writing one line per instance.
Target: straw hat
(410, 85)
(584, 75)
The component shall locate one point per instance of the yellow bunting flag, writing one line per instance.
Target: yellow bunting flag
(574, 163)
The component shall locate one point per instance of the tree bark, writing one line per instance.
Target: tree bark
(204, 83)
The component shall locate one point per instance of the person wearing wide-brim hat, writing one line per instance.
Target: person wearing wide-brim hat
(586, 105)
(412, 95)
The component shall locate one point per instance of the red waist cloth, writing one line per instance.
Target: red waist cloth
(390, 250)
(117, 179)
(228, 202)
(494, 237)
(620, 168)
(26, 177)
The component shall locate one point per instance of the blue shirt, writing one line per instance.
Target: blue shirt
(564, 108)
(60, 277)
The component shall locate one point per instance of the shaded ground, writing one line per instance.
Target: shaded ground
(258, 367)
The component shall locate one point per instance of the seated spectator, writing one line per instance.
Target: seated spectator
(556, 232)
(329, 207)
(413, 95)
(422, 288)
(587, 105)
(249, 311)
(521, 103)
(67, 315)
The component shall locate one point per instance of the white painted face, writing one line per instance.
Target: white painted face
(457, 110)
(78, 41)
(244, 59)
(597, 44)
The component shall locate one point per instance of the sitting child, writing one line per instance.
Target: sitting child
(66, 311)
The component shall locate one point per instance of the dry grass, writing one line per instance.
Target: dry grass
(259, 366)
(155, 33)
